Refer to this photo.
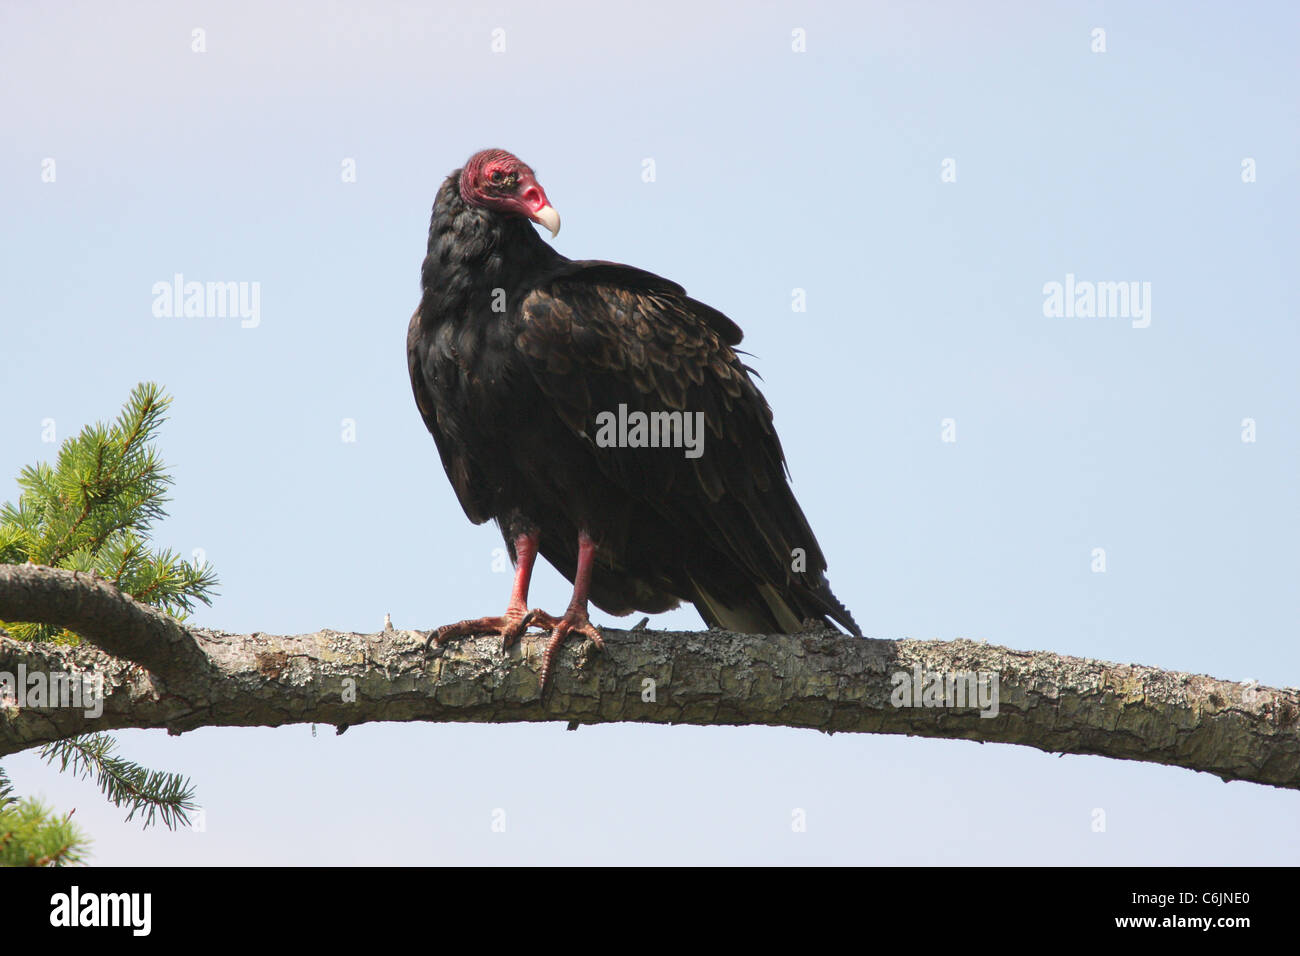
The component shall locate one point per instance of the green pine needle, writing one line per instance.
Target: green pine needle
(93, 510)
(151, 793)
(31, 834)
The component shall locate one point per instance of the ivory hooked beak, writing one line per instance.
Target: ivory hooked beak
(549, 218)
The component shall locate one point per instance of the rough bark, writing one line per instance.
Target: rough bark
(821, 680)
(90, 605)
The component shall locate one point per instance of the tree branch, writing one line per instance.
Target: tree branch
(820, 680)
(93, 607)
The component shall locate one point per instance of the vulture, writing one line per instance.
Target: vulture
(602, 418)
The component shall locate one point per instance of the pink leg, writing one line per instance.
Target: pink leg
(575, 618)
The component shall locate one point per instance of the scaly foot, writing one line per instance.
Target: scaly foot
(509, 627)
(575, 620)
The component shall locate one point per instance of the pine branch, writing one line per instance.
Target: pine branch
(92, 511)
(151, 793)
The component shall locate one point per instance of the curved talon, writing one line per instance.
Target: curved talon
(541, 619)
(511, 632)
(534, 618)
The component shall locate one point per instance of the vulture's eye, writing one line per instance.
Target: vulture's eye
(496, 176)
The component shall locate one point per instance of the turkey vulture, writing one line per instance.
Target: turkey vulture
(602, 418)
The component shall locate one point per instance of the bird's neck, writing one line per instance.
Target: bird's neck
(474, 252)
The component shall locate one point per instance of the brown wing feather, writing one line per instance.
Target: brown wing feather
(598, 337)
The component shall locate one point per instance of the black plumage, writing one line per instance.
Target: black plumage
(516, 351)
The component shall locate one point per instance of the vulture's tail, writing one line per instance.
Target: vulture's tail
(767, 611)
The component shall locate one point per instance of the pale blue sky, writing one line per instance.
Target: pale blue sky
(775, 170)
